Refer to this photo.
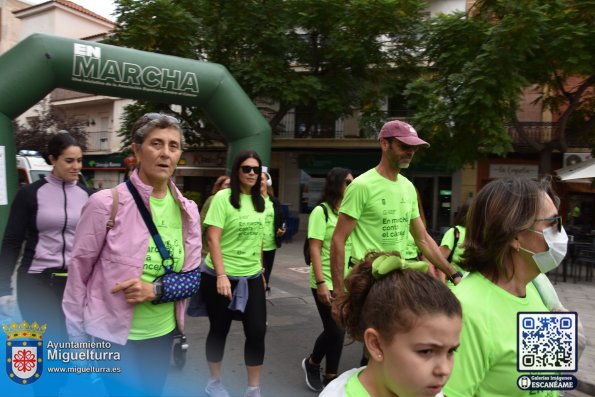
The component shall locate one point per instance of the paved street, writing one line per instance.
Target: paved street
(294, 324)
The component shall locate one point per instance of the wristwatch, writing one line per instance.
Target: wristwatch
(158, 288)
(455, 275)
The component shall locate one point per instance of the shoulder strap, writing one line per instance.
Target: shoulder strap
(111, 220)
(454, 245)
(325, 212)
(148, 221)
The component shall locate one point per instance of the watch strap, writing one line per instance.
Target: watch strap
(455, 275)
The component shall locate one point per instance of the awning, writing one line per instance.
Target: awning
(584, 169)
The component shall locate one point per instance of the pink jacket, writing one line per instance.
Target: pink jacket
(101, 258)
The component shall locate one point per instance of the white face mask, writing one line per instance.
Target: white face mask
(558, 245)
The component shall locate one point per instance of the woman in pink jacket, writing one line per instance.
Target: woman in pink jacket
(115, 290)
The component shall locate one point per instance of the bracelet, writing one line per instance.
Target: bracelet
(221, 275)
(320, 282)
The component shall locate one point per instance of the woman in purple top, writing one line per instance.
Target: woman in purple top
(44, 216)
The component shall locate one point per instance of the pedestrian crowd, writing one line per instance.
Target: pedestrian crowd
(126, 265)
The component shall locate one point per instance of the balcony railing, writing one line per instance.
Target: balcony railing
(99, 141)
(541, 132)
(303, 126)
(536, 131)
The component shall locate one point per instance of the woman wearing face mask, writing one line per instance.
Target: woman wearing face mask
(44, 216)
(513, 235)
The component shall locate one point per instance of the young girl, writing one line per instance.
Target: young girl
(410, 325)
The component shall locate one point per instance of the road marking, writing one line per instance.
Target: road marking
(302, 269)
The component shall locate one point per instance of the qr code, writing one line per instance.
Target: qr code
(547, 341)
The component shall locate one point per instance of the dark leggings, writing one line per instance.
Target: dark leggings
(330, 342)
(220, 317)
(268, 258)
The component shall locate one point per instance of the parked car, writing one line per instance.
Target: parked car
(31, 167)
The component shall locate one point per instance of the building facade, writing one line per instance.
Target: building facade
(305, 146)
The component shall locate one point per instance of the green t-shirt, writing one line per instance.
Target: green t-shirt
(269, 221)
(348, 384)
(448, 240)
(320, 229)
(383, 210)
(149, 320)
(354, 387)
(485, 363)
(411, 251)
(241, 238)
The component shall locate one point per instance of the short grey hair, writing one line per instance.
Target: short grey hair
(149, 121)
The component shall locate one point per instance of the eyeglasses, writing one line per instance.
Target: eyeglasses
(554, 220)
(247, 168)
(348, 181)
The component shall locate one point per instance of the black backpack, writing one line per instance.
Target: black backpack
(307, 242)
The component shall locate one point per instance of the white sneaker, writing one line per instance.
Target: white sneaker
(252, 392)
(215, 388)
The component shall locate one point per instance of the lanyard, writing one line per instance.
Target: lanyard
(167, 261)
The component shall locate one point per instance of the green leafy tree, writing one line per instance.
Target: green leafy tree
(480, 63)
(334, 56)
(39, 129)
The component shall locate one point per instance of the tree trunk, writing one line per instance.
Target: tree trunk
(283, 109)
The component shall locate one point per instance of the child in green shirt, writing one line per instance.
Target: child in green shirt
(409, 323)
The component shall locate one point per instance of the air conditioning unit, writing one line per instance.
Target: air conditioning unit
(575, 158)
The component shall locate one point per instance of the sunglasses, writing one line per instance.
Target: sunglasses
(554, 221)
(247, 168)
(148, 117)
(147, 122)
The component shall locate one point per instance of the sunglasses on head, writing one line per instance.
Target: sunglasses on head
(149, 121)
(555, 221)
(148, 117)
(247, 168)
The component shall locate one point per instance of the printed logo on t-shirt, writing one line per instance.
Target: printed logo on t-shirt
(249, 229)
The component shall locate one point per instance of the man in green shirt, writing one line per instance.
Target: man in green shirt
(380, 208)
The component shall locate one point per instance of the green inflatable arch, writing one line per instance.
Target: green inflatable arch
(40, 63)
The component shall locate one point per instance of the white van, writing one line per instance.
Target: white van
(31, 167)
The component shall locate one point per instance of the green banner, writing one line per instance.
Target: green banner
(40, 63)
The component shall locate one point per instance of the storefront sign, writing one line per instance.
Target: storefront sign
(106, 162)
(513, 170)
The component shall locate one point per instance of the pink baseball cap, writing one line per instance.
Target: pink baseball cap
(403, 132)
